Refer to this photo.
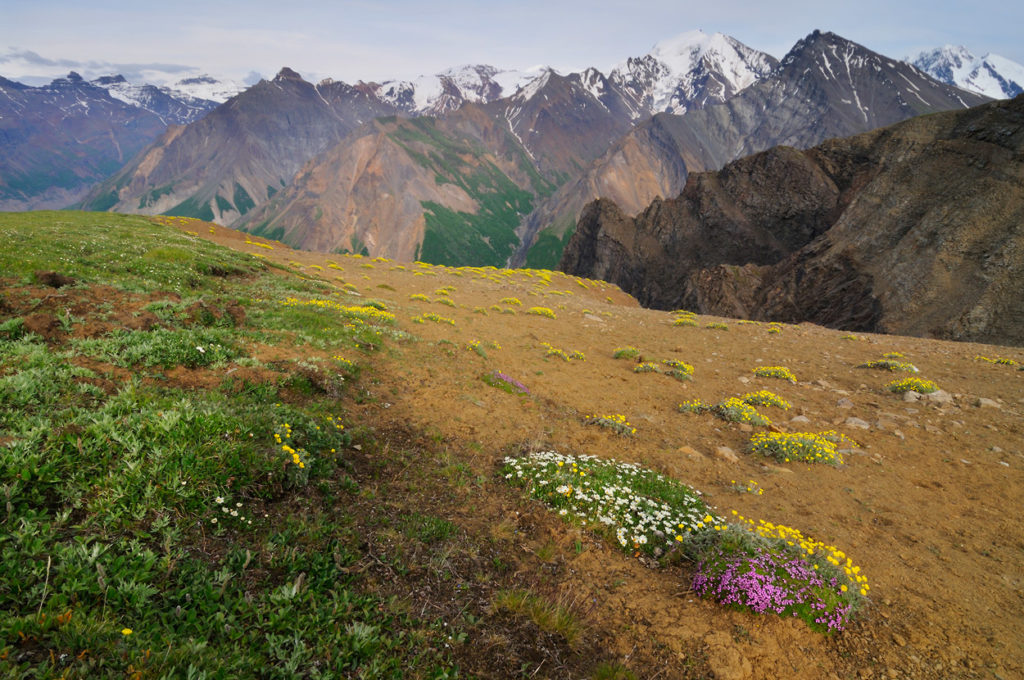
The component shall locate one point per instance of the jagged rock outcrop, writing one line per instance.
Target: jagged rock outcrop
(916, 229)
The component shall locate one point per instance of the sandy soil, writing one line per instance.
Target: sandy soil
(929, 504)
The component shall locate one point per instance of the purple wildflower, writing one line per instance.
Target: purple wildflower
(769, 581)
(498, 377)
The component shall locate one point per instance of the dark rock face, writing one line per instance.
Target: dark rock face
(915, 229)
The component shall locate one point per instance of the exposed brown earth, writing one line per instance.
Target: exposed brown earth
(927, 504)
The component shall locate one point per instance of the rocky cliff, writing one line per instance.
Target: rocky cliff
(916, 229)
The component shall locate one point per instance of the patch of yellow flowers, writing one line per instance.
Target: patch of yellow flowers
(814, 549)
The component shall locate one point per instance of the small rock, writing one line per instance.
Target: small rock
(726, 454)
(691, 453)
(858, 423)
(898, 433)
(744, 379)
(823, 383)
(911, 395)
(1004, 463)
(800, 419)
(965, 462)
(899, 639)
(844, 403)
(776, 468)
(940, 397)
(996, 449)
(932, 429)
(990, 403)
(746, 427)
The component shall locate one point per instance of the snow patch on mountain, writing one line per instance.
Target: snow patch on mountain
(991, 75)
(208, 87)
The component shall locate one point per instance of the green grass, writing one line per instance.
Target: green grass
(128, 252)
(153, 528)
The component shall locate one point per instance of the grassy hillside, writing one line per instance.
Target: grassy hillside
(247, 461)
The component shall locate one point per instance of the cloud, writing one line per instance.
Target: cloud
(32, 68)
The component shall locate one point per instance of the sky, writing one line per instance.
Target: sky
(378, 40)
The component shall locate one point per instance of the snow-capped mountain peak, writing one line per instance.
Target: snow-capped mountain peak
(449, 89)
(691, 69)
(991, 75)
(172, 104)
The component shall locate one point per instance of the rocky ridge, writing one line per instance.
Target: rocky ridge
(913, 229)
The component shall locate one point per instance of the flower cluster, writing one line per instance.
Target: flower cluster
(998, 360)
(695, 406)
(296, 454)
(822, 555)
(801, 446)
(552, 351)
(228, 510)
(750, 487)
(732, 409)
(678, 369)
(504, 382)
(772, 581)
(646, 367)
(430, 316)
(601, 493)
(625, 353)
(371, 313)
(765, 398)
(761, 566)
(684, 318)
(890, 364)
(736, 410)
(780, 372)
(912, 384)
(346, 365)
(717, 325)
(616, 422)
(541, 311)
(511, 301)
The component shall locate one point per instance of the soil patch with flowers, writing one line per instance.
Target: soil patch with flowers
(399, 465)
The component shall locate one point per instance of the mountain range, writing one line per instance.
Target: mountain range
(473, 165)
(58, 140)
(492, 177)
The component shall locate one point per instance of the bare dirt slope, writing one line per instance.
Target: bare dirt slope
(929, 504)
